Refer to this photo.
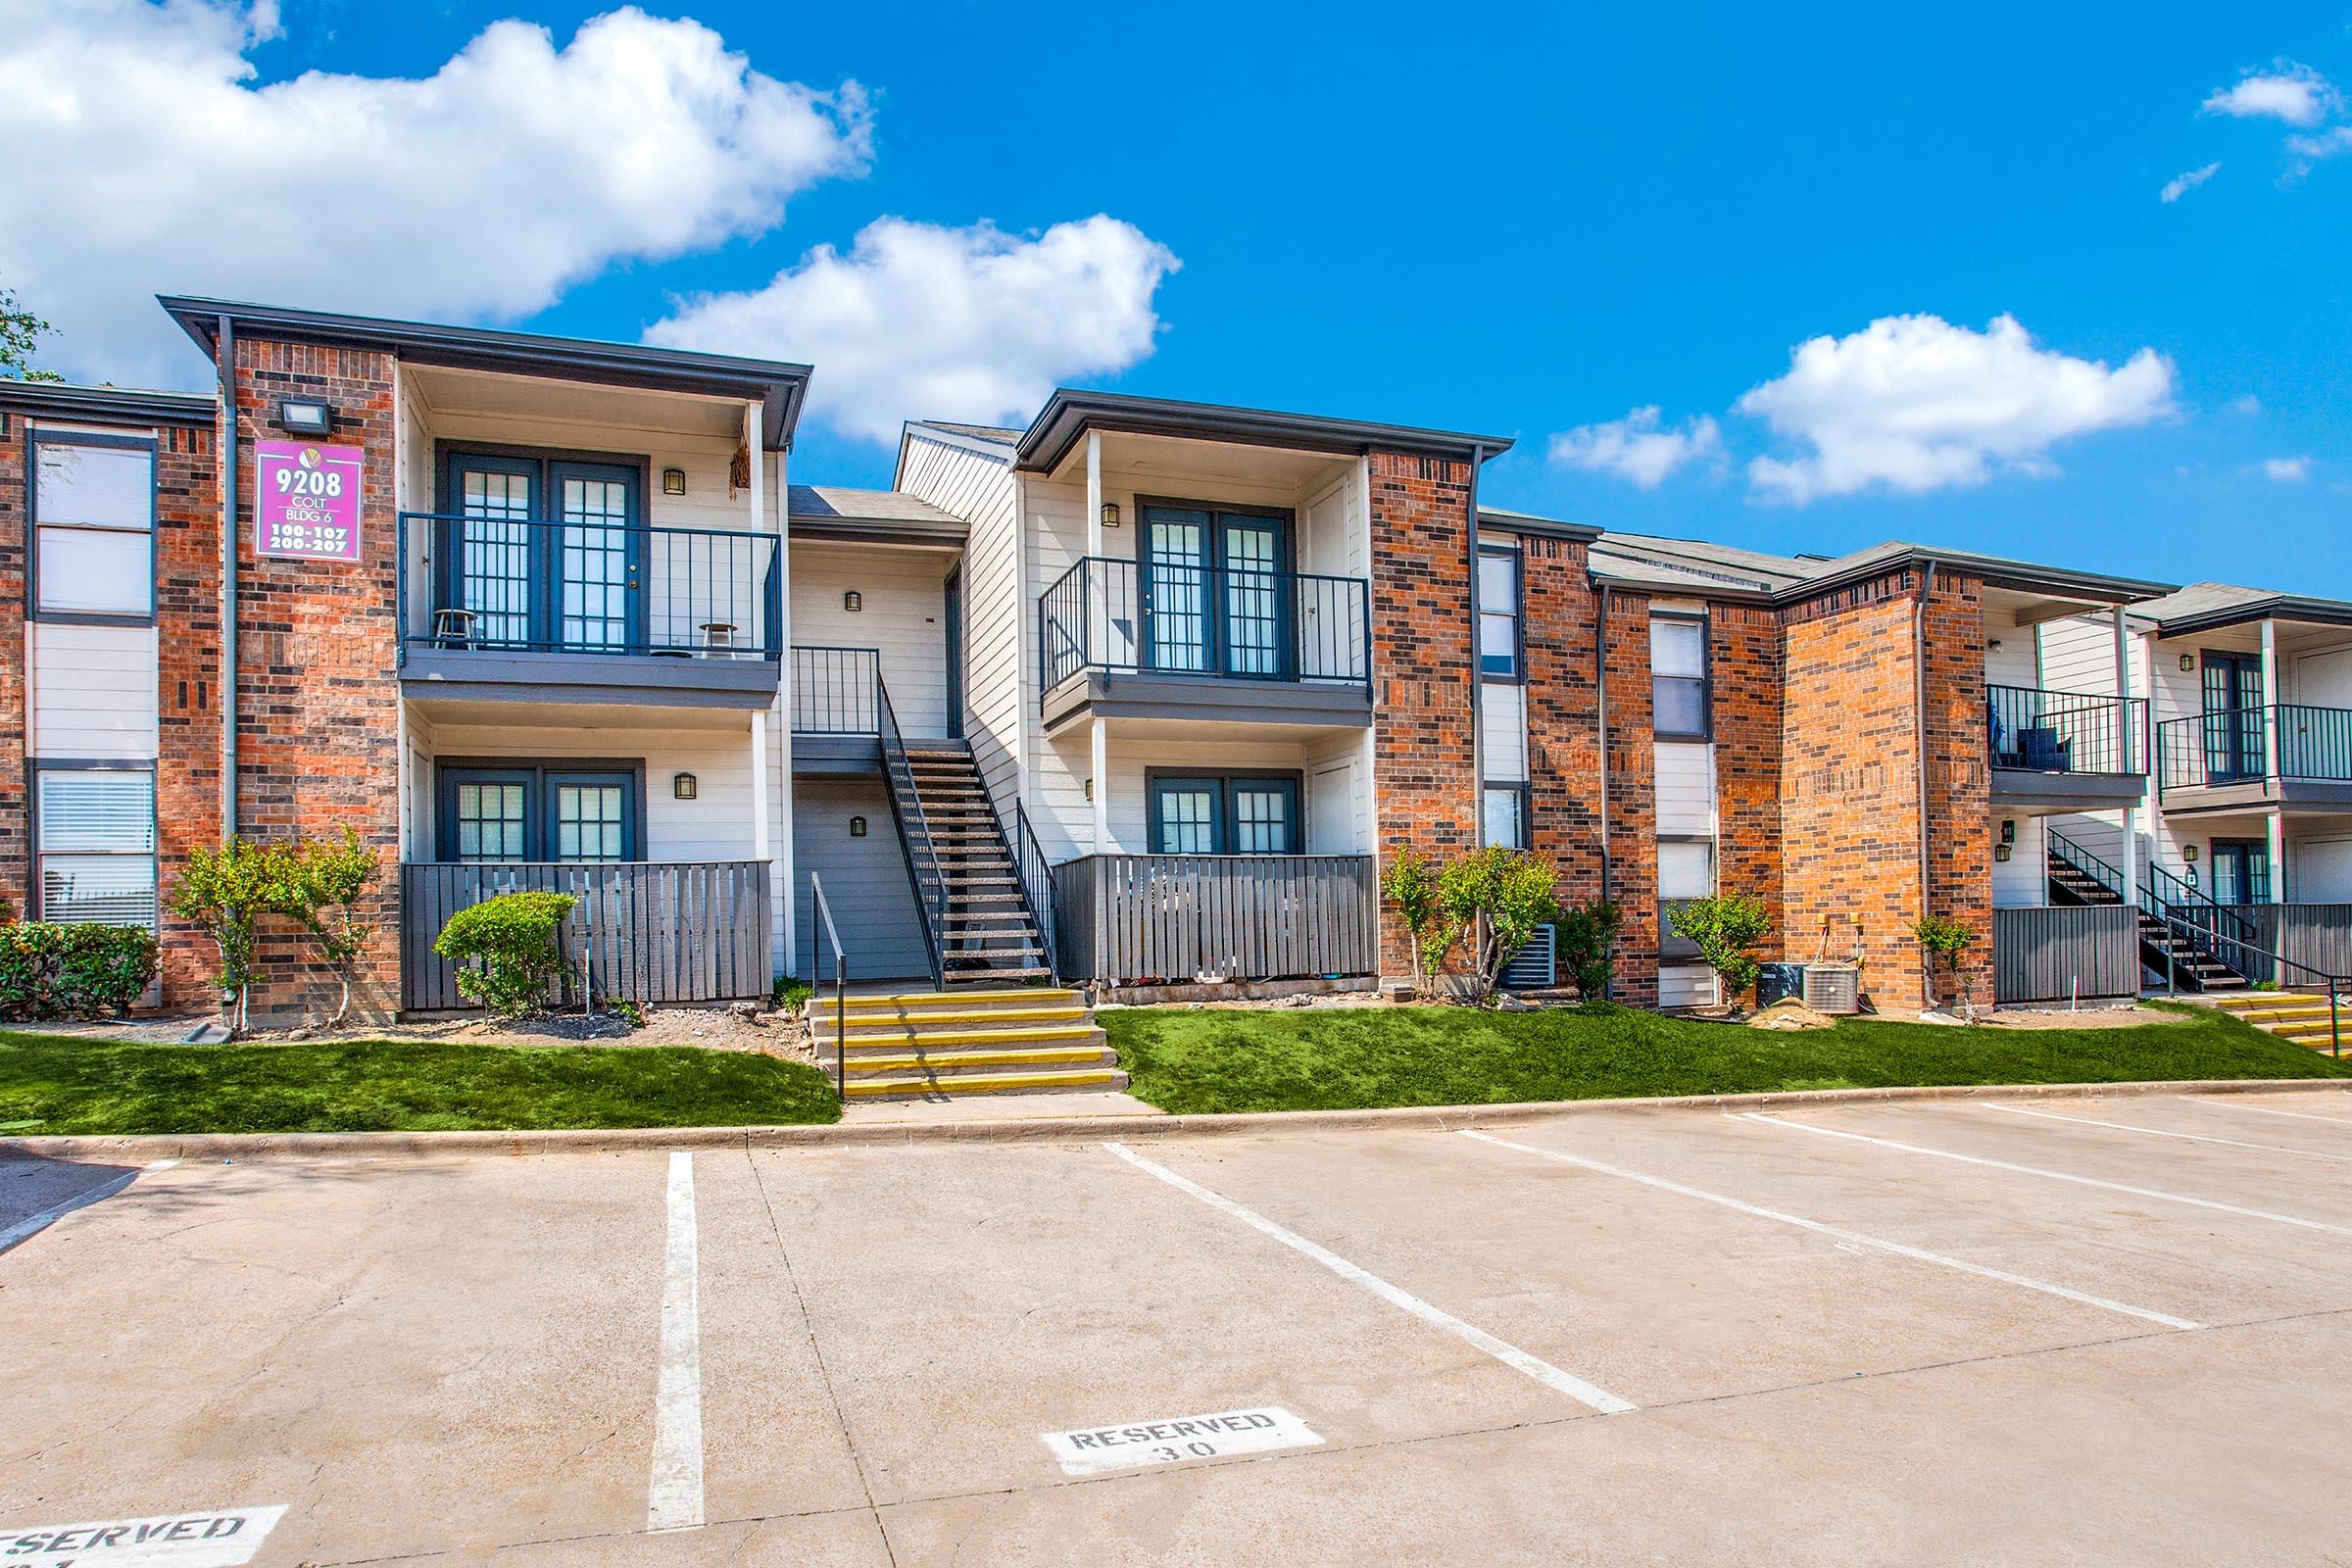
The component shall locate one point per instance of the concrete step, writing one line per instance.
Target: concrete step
(862, 1065)
(1066, 1080)
(871, 1024)
(2272, 999)
(2303, 1032)
(2301, 1012)
(925, 1001)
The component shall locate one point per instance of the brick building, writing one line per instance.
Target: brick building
(1140, 695)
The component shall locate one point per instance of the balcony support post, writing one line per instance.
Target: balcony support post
(1099, 779)
(2275, 825)
(1094, 493)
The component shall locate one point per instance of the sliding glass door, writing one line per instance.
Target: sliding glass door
(542, 552)
(1215, 591)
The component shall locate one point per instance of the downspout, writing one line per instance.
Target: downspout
(1600, 680)
(1919, 686)
(1478, 725)
(226, 347)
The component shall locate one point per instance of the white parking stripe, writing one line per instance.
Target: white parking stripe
(1919, 1254)
(2163, 1131)
(33, 1225)
(2274, 1111)
(1510, 1356)
(676, 1500)
(2053, 1175)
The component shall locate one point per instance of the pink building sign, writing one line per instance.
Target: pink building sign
(307, 501)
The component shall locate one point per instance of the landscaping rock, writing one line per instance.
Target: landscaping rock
(1789, 1014)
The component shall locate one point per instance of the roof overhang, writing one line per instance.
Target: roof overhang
(2275, 606)
(2019, 575)
(779, 387)
(106, 404)
(1527, 522)
(1069, 416)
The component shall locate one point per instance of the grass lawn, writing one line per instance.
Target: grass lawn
(1304, 1058)
(87, 1086)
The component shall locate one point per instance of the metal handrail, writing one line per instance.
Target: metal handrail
(2090, 864)
(833, 689)
(914, 833)
(840, 988)
(1037, 884)
(1171, 619)
(2251, 957)
(710, 592)
(2040, 730)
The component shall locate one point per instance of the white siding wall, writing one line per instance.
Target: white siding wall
(1502, 726)
(1343, 762)
(93, 691)
(2023, 879)
(1685, 775)
(978, 487)
(2078, 655)
(715, 826)
(2014, 663)
(2318, 674)
(1686, 985)
(866, 886)
(902, 614)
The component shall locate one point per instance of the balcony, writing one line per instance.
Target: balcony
(2065, 750)
(577, 610)
(1160, 640)
(2286, 754)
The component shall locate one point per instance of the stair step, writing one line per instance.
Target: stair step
(1064, 1080)
(1032, 995)
(957, 1019)
(892, 1063)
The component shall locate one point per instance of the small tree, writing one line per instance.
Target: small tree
(506, 950)
(225, 892)
(323, 885)
(1941, 936)
(1411, 884)
(19, 332)
(1726, 928)
(1495, 898)
(1587, 945)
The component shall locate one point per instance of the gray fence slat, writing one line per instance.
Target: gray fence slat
(1170, 917)
(2051, 952)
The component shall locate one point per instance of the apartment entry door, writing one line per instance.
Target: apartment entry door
(2232, 722)
(2241, 872)
(1214, 594)
(542, 552)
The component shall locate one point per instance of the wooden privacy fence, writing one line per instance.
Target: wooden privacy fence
(2314, 936)
(1138, 918)
(651, 931)
(2052, 953)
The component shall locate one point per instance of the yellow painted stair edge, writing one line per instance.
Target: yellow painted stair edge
(941, 1061)
(979, 1083)
(897, 1020)
(1043, 996)
(1051, 1035)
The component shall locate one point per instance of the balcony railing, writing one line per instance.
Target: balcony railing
(1151, 618)
(2065, 732)
(572, 586)
(834, 689)
(2234, 746)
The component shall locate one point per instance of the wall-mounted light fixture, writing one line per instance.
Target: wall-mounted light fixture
(673, 481)
(2000, 852)
(2188, 853)
(1110, 513)
(2188, 663)
(1090, 789)
(852, 600)
(682, 787)
(857, 827)
(305, 417)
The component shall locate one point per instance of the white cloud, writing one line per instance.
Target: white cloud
(2309, 150)
(1914, 402)
(953, 323)
(2288, 91)
(2286, 471)
(144, 158)
(2180, 185)
(1634, 448)
(2246, 405)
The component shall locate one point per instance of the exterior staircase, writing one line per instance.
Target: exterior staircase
(988, 935)
(929, 1044)
(2296, 1016)
(2162, 949)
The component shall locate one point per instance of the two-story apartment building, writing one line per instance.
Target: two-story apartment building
(1142, 693)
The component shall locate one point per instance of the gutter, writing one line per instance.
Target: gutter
(226, 360)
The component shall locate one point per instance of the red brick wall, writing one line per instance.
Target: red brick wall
(1849, 799)
(15, 840)
(1423, 664)
(1558, 611)
(187, 622)
(318, 684)
(1745, 666)
(1632, 797)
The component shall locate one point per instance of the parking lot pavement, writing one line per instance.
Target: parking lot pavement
(2114, 1330)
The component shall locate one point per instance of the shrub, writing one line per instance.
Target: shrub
(1726, 927)
(227, 890)
(319, 888)
(787, 993)
(1411, 884)
(1495, 898)
(1587, 945)
(1941, 936)
(506, 950)
(74, 971)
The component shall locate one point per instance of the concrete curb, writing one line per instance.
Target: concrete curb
(1051, 1128)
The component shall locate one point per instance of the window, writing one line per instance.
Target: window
(1686, 872)
(1506, 817)
(93, 511)
(1499, 613)
(501, 814)
(1678, 679)
(97, 846)
(1224, 814)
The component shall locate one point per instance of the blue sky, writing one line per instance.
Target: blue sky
(1533, 221)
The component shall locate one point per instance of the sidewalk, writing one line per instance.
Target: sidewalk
(992, 1107)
